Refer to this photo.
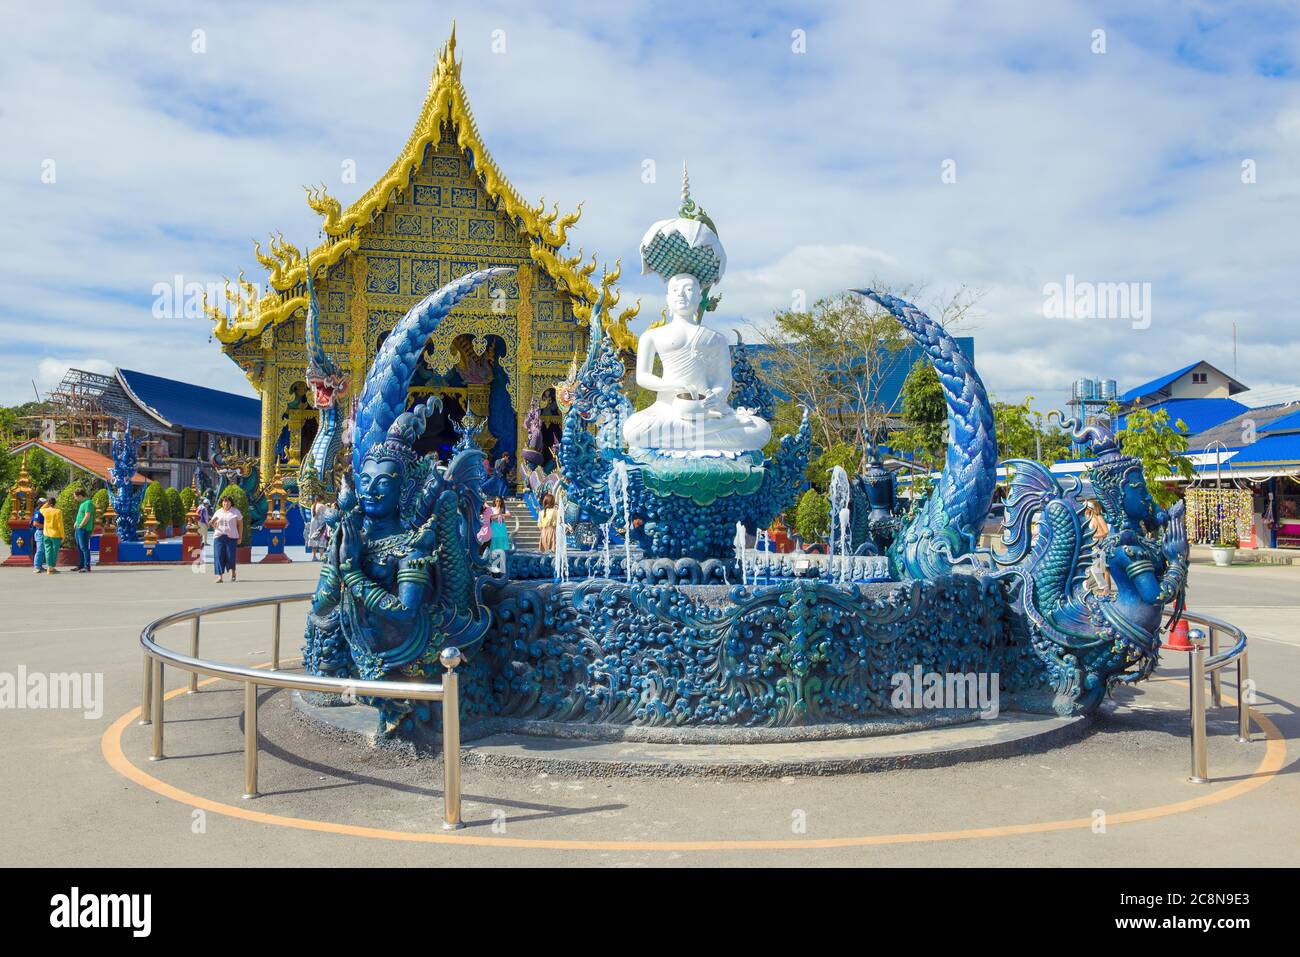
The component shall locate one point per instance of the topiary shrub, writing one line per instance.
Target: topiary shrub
(188, 498)
(68, 504)
(175, 509)
(153, 496)
(5, 511)
(241, 503)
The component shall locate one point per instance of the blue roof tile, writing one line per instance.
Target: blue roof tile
(1198, 414)
(1287, 423)
(1271, 448)
(1155, 385)
(187, 406)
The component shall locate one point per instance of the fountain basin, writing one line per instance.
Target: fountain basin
(796, 653)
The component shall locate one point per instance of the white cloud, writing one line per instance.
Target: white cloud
(821, 169)
(50, 372)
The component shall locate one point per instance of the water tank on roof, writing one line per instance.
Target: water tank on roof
(1109, 389)
(1085, 388)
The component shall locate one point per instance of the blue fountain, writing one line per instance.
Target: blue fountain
(668, 614)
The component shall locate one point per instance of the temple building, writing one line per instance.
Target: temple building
(180, 426)
(442, 210)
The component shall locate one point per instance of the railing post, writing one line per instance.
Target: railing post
(250, 740)
(194, 653)
(1243, 706)
(1216, 679)
(450, 658)
(1200, 760)
(156, 687)
(275, 639)
(146, 690)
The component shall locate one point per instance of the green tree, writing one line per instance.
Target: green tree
(785, 421)
(241, 503)
(6, 509)
(812, 517)
(1149, 437)
(842, 454)
(48, 474)
(925, 416)
(1023, 433)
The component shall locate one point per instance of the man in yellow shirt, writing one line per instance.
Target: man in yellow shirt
(53, 516)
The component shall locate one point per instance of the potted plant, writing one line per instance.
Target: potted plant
(1223, 550)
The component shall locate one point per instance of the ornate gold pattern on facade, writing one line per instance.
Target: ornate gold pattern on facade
(443, 209)
(359, 317)
(446, 103)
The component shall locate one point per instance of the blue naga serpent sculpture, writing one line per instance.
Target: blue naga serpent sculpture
(1089, 641)
(125, 497)
(327, 381)
(670, 525)
(401, 578)
(948, 524)
(1086, 641)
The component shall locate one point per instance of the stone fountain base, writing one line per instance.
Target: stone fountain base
(889, 743)
(796, 654)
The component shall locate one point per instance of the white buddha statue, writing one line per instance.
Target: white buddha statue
(690, 415)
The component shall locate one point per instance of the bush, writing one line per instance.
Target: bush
(813, 517)
(241, 503)
(175, 508)
(5, 511)
(188, 499)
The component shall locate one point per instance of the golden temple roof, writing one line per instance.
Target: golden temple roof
(445, 102)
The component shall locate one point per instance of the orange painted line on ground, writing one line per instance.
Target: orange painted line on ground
(111, 745)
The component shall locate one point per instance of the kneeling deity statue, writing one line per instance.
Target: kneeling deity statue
(690, 415)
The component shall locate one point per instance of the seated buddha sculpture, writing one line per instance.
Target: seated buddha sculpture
(690, 415)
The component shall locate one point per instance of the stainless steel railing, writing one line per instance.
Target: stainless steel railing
(1201, 666)
(156, 656)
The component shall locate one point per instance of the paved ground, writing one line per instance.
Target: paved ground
(65, 803)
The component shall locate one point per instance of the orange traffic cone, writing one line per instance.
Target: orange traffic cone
(1178, 640)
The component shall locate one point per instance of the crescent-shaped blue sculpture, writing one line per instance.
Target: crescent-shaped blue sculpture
(383, 397)
(948, 525)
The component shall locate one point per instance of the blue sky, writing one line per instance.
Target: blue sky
(822, 168)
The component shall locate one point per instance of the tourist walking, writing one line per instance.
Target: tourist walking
(1101, 580)
(228, 529)
(83, 528)
(38, 536)
(494, 532)
(203, 515)
(53, 516)
(504, 475)
(547, 521)
(318, 531)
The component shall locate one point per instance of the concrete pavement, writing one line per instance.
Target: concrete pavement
(1118, 797)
